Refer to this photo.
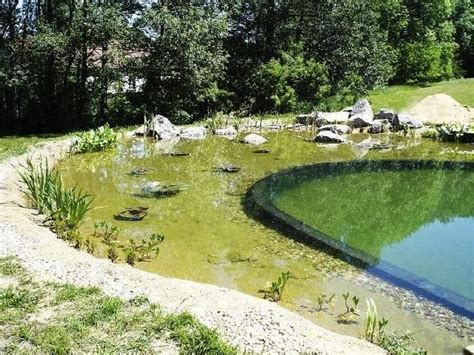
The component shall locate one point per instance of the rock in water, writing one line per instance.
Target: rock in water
(254, 139)
(131, 214)
(160, 190)
(386, 114)
(329, 137)
(361, 114)
(193, 133)
(405, 121)
(227, 168)
(161, 128)
(376, 127)
(336, 128)
(228, 132)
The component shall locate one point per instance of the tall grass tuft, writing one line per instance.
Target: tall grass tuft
(44, 187)
(95, 140)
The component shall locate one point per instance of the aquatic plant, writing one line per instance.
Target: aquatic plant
(112, 253)
(324, 300)
(106, 232)
(65, 207)
(452, 132)
(396, 343)
(95, 140)
(351, 312)
(374, 327)
(275, 292)
(147, 249)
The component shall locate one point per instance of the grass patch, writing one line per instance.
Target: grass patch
(16, 145)
(404, 96)
(62, 319)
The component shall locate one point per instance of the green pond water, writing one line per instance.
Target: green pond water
(209, 238)
(415, 220)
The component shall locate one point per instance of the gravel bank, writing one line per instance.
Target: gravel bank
(251, 324)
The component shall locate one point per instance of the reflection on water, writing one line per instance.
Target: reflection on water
(421, 221)
(208, 237)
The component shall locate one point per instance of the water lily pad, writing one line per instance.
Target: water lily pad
(131, 214)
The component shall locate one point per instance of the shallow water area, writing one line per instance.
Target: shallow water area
(208, 236)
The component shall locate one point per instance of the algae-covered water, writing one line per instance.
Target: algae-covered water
(209, 238)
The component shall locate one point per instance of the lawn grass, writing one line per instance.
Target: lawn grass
(39, 317)
(404, 96)
(16, 145)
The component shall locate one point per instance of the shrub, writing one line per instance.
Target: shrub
(95, 140)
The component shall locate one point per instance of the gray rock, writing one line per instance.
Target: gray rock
(359, 121)
(386, 114)
(229, 131)
(379, 126)
(306, 119)
(326, 118)
(361, 114)
(362, 107)
(469, 350)
(404, 121)
(193, 133)
(254, 139)
(336, 128)
(329, 137)
(161, 128)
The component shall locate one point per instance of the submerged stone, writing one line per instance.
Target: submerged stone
(227, 168)
(160, 190)
(262, 151)
(140, 171)
(131, 214)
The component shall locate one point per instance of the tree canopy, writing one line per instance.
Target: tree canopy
(66, 64)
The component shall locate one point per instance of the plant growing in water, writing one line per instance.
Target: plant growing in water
(323, 301)
(275, 291)
(105, 231)
(64, 207)
(374, 327)
(95, 140)
(147, 249)
(112, 254)
(351, 309)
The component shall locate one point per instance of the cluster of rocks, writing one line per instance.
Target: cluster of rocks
(161, 129)
(333, 126)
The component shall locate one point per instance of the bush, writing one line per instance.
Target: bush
(291, 83)
(95, 140)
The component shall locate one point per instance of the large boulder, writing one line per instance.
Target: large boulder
(386, 114)
(361, 114)
(161, 128)
(193, 133)
(405, 121)
(336, 128)
(329, 137)
(254, 139)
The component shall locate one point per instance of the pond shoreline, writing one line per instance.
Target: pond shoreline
(251, 324)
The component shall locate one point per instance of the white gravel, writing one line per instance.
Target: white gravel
(251, 324)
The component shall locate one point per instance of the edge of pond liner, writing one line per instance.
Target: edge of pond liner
(260, 208)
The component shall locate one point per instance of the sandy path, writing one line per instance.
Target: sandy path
(252, 324)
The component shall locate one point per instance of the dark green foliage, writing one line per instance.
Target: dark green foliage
(65, 66)
(96, 140)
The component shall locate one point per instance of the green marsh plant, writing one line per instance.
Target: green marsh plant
(374, 327)
(95, 140)
(64, 207)
(351, 312)
(275, 292)
(146, 250)
(106, 232)
(324, 301)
